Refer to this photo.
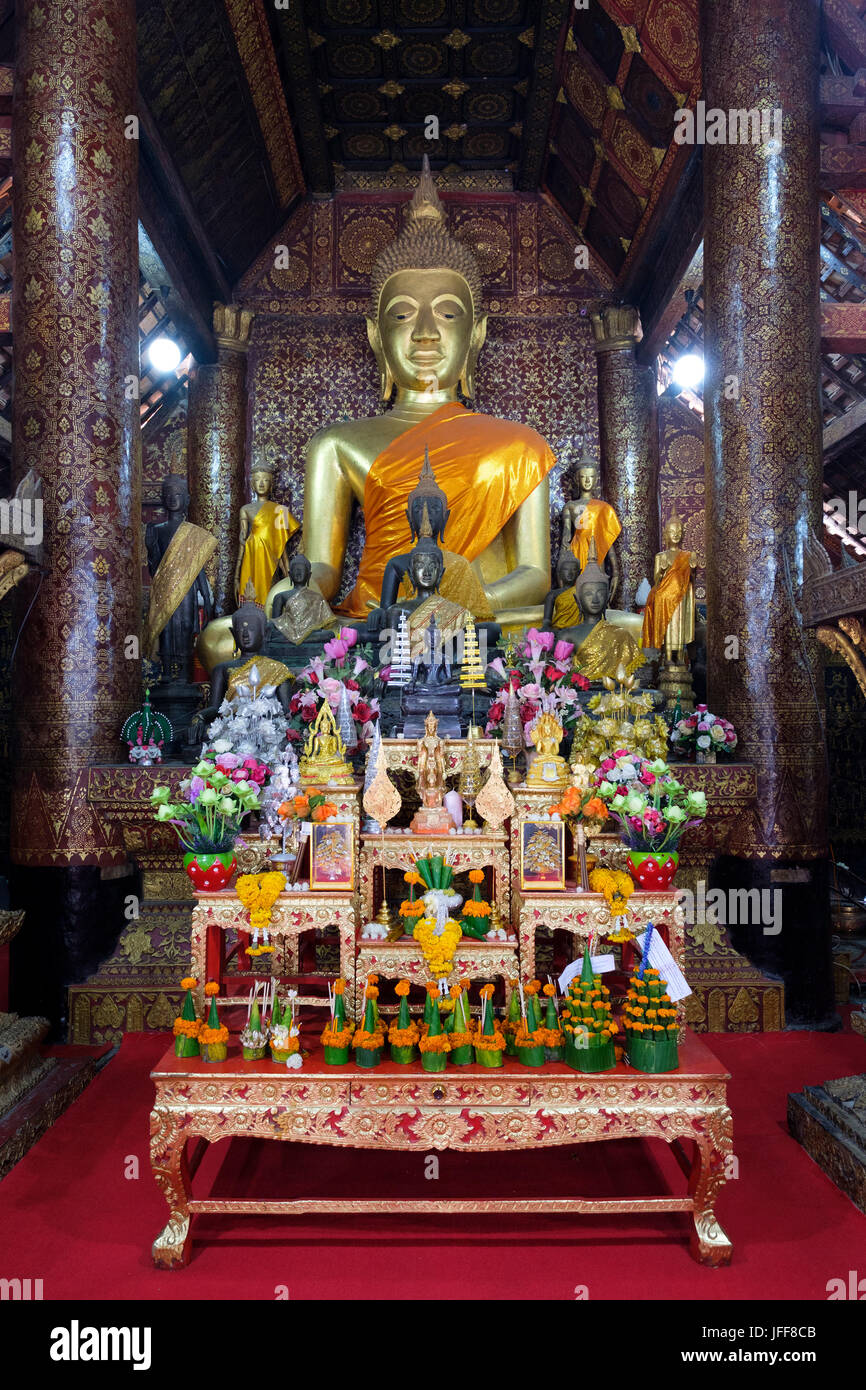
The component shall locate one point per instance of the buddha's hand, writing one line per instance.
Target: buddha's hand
(376, 619)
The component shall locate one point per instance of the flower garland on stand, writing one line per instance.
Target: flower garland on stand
(404, 1034)
(213, 1035)
(258, 893)
(650, 1022)
(438, 947)
(617, 888)
(187, 1026)
(337, 1035)
(550, 1030)
(587, 1025)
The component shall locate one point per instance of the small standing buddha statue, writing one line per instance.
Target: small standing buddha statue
(669, 616)
(548, 769)
(265, 529)
(587, 518)
(431, 818)
(323, 760)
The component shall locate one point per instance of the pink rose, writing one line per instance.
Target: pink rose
(563, 650)
(545, 640)
(333, 689)
(608, 764)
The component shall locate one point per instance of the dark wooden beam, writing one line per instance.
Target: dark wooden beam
(667, 250)
(843, 166)
(846, 32)
(307, 106)
(843, 328)
(842, 98)
(848, 429)
(553, 17)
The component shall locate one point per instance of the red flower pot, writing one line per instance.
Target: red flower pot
(654, 873)
(210, 872)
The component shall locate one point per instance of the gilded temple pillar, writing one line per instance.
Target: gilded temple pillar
(217, 427)
(628, 430)
(763, 473)
(75, 325)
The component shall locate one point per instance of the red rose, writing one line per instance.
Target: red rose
(313, 678)
(308, 713)
(351, 685)
(580, 681)
(496, 711)
(362, 712)
(293, 736)
(515, 676)
(295, 704)
(553, 673)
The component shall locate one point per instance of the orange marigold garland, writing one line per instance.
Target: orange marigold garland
(187, 1025)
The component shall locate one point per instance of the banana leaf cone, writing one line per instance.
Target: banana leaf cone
(218, 1051)
(513, 1020)
(369, 1056)
(488, 1056)
(465, 1055)
(586, 975)
(401, 1054)
(183, 1045)
(255, 1054)
(434, 1061)
(276, 1013)
(431, 1006)
(552, 1054)
(533, 1013)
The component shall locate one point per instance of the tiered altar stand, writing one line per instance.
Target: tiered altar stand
(469, 1108)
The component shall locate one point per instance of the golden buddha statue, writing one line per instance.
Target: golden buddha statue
(431, 818)
(265, 529)
(547, 769)
(587, 518)
(426, 329)
(323, 759)
(600, 646)
(669, 616)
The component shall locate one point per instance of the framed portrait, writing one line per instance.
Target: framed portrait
(542, 854)
(332, 856)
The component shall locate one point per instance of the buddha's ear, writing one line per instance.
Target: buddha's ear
(386, 380)
(476, 343)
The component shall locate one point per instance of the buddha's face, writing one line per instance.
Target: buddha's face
(587, 476)
(674, 531)
(261, 482)
(426, 570)
(592, 598)
(174, 497)
(568, 572)
(426, 330)
(248, 629)
(299, 571)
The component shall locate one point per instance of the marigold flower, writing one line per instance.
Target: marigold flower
(211, 988)
(550, 990)
(339, 986)
(189, 982)
(402, 988)
(371, 992)
(476, 875)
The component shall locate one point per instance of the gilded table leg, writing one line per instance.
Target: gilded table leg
(709, 1243)
(526, 929)
(171, 1249)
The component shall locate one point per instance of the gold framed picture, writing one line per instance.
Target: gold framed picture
(332, 856)
(542, 854)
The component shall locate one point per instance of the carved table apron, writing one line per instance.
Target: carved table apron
(467, 1108)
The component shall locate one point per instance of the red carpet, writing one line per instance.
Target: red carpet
(70, 1216)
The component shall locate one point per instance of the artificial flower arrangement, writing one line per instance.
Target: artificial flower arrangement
(237, 769)
(587, 1026)
(619, 718)
(337, 1035)
(489, 1037)
(649, 1022)
(329, 675)
(369, 1039)
(207, 820)
(577, 806)
(541, 673)
(703, 733)
(404, 1033)
(311, 804)
(653, 811)
(258, 893)
(187, 1025)
(213, 1036)
(476, 912)
(437, 934)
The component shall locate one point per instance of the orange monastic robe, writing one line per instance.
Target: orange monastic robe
(598, 522)
(486, 468)
(664, 599)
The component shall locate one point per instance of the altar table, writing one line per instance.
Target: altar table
(466, 1108)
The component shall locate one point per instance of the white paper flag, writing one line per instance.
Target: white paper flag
(662, 960)
(600, 965)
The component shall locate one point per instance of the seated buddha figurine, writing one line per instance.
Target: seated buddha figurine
(248, 626)
(265, 529)
(560, 605)
(425, 572)
(600, 647)
(427, 513)
(587, 518)
(426, 328)
(300, 612)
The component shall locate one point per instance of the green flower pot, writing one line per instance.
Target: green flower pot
(280, 1055)
(531, 1056)
(254, 1054)
(403, 1056)
(488, 1057)
(434, 1061)
(214, 1052)
(210, 872)
(645, 1055)
(598, 1057)
(476, 927)
(336, 1056)
(186, 1047)
(368, 1056)
(462, 1056)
